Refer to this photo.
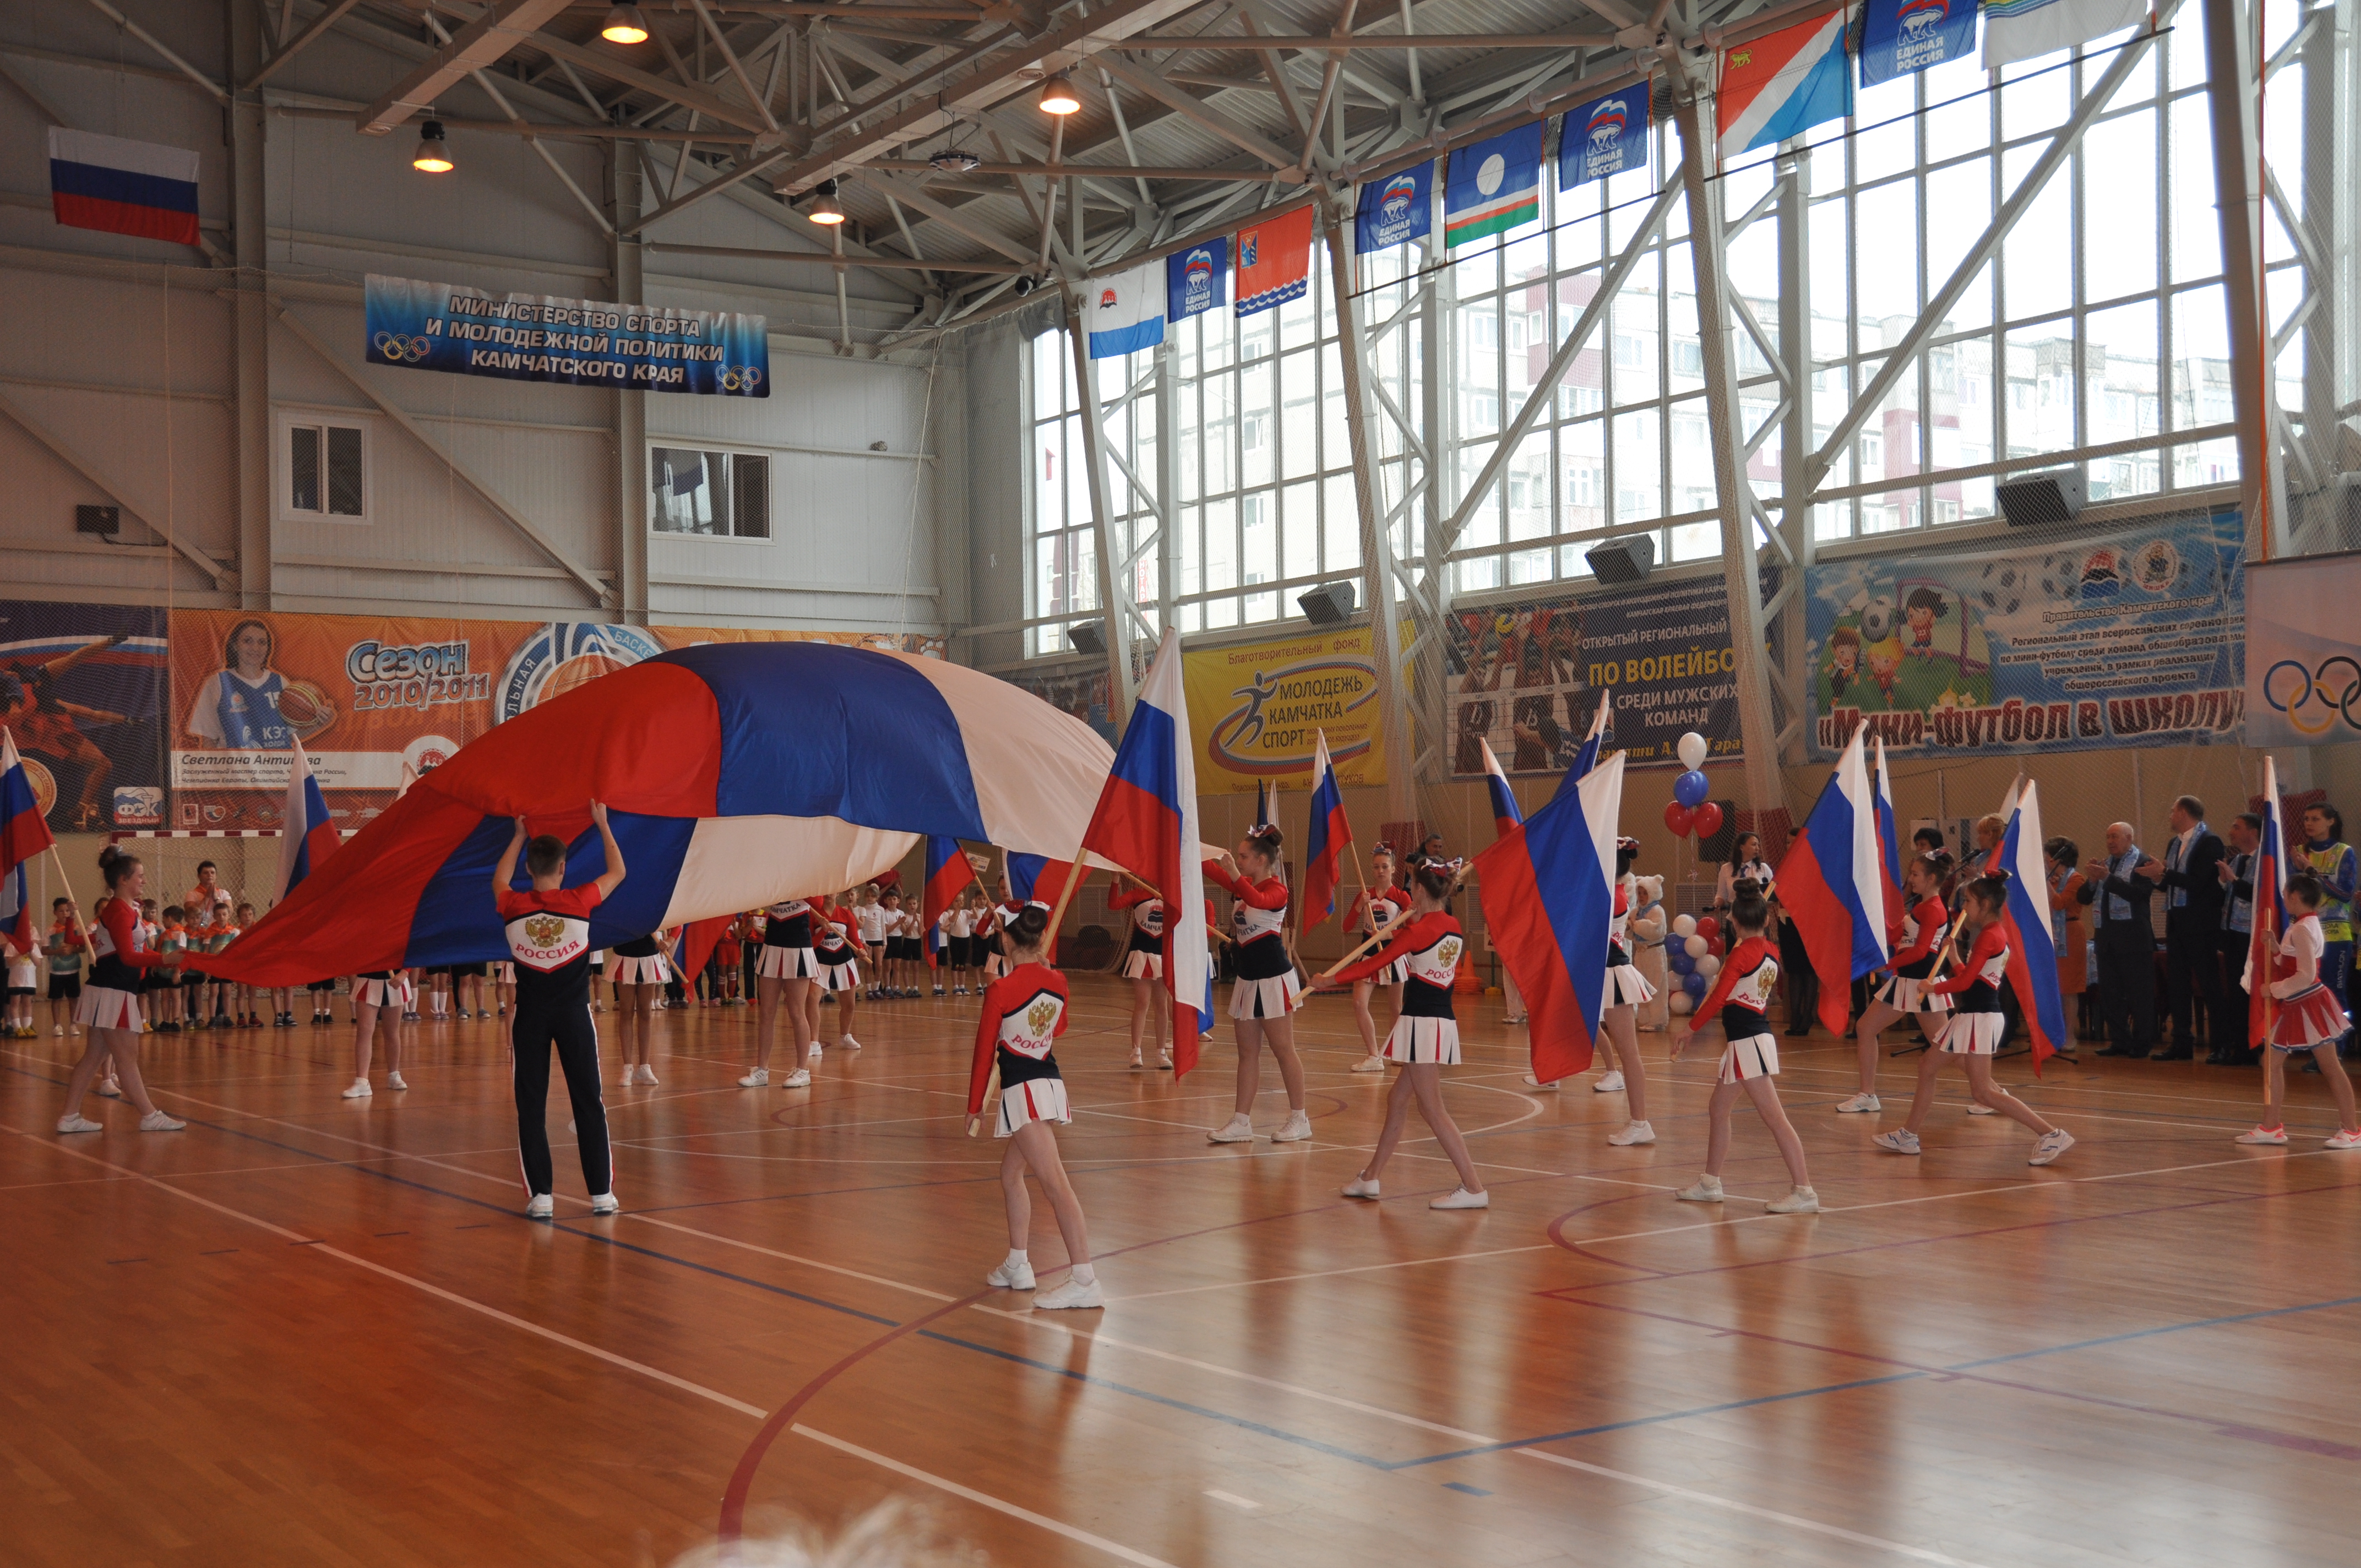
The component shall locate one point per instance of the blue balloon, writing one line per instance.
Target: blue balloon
(1694, 984)
(1690, 789)
(1681, 961)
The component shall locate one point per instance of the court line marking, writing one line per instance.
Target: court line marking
(1247, 1504)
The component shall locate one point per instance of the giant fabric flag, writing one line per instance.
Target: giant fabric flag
(1398, 208)
(1124, 314)
(693, 944)
(948, 870)
(307, 837)
(1493, 186)
(123, 187)
(1324, 845)
(1505, 814)
(2269, 879)
(1274, 261)
(739, 773)
(1889, 852)
(1037, 877)
(1194, 279)
(2020, 29)
(1899, 36)
(1830, 884)
(1147, 823)
(1549, 896)
(1604, 137)
(24, 833)
(1586, 756)
(1782, 85)
(2032, 940)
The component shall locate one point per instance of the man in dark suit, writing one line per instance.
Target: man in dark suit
(2192, 883)
(2231, 1046)
(2118, 889)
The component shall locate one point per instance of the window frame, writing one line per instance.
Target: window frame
(289, 418)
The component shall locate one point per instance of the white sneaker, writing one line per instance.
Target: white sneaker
(1532, 1082)
(606, 1203)
(1072, 1293)
(1978, 1108)
(1136, 1065)
(1236, 1130)
(1164, 1062)
(1011, 1275)
(799, 1078)
(1460, 1198)
(1360, 1186)
(393, 1080)
(756, 1079)
(1371, 1064)
(157, 1122)
(2345, 1141)
(79, 1122)
(108, 1087)
(1707, 1190)
(56, 1028)
(647, 1073)
(848, 1042)
(359, 1091)
(1514, 1018)
(1298, 1126)
(1802, 1200)
(1610, 1083)
(542, 1207)
(1858, 1103)
(2053, 1142)
(815, 1052)
(1633, 1133)
(2265, 1136)
(1900, 1141)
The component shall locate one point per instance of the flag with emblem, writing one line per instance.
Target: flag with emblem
(1274, 261)
(1781, 85)
(1604, 137)
(1395, 209)
(1898, 36)
(1124, 314)
(1493, 186)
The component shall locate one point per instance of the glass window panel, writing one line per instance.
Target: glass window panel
(1296, 322)
(1078, 473)
(1887, 139)
(1340, 526)
(1478, 340)
(1257, 336)
(2041, 389)
(1221, 544)
(1639, 466)
(2034, 97)
(1048, 482)
(1259, 531)
(1888, 260)
(1695, 541)
(1257, 423)
(1632, 351)
(2119, 232)
(1335, 440)
(2037, 270)
(2201, 366)
(1299, 433)
(1582, 476)
(1221, 612)
(2195, 228)
(1221, 428)
(1530, 488)
(1299, 531)
(1959, 112)
(1483, 525)
(1958, 205)
(1693, 486)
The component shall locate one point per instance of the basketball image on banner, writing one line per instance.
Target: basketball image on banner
(1274, 261)
(1196, 279)
(1395, 209)
(82, 687)
(1782, 86)
(1899, 36)
(1604, 137)
(1493, 186)
(1124, 314)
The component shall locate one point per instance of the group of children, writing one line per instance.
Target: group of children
(183, 1002)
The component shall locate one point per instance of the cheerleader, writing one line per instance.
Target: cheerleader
(642, 972)
(1268, 988)
(2308, 1019)
(382, 1000)
(1143, 965)
(1425, 1038)
(109, 1004)
(1750, 1060)
(1626, 990)
(1024, 1011)
(1974, 1030)
(835, 933)
(1375, 908)
(1904, 991)
(783, 980)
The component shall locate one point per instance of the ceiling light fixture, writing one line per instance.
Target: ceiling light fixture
(824, 209)
(1058, 95)
(433, 155)
(624, 25)
(955, 161)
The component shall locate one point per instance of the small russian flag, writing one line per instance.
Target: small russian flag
(1505, 814)
(1324, 844)
(1586, 757)
(1548, 889)
(309, 836)
(24, 833)
(1832, 884)
(949, 872)
(123, 187)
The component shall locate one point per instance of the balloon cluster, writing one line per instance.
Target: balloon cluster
(1693, 953)
(1689, 811)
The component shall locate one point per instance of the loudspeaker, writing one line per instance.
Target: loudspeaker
(2044, 500)
(1624, 560)
(98, 519)
(1329, 604)
(1087, 637)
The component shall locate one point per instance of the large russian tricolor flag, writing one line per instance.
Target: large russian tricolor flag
(123, 187)
(1147, 823)
(2032, 940)
(24, 833)
(309, 836)
(948, 870)
(2269, 878)
(1549, 897)
(1505, 814)
(1830, 884)
(1781, 85)
(1324, 844)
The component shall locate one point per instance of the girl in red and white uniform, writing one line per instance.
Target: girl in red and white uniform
(1143, 965)
(380, 1001)
(1750, 1061)
(1373, 911)
(1267, 990)
(2308, 1019)
(1975, 1029)
(1626, 988)
(836, 940)
(642, 972)
(1024, 1011)
(1425, 1039)
(109, 1006)
(1904, 992)
(784, 974)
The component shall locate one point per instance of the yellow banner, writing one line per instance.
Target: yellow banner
(1255, 709)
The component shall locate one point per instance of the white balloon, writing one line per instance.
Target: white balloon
(1682, 1002)
(1693, 749)
(1697, 946)
(1684, 924)
(1709, 966)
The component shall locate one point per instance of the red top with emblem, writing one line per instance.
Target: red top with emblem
(549, 938)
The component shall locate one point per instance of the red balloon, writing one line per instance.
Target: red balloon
(1708, 818)
(1708, 927)
(1678, 818)
(1718, 947)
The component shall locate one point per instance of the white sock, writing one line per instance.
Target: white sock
(1084, 1274)
(1015, 1256)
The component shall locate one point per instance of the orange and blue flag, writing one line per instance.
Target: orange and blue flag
(1323, 850)
(1548, 888)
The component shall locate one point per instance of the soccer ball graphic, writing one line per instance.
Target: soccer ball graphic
(2001, 588)
(1877, 618)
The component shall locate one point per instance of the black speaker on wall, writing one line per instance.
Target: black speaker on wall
(2044, 500)
(1087, 637)
(1330, 604)
(1622, 561)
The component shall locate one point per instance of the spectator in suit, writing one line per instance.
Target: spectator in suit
(2231, 1045)
(2117, 890)
(2191, 884)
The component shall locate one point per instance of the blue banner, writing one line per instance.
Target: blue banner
(1899, 36)
(583, 343)
(1195, 280)
(1604, 137)
(1398, 208)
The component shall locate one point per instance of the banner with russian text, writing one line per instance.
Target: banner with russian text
(2133, 636)
(420, 325)
(1256, 711)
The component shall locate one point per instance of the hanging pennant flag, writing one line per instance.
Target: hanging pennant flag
(1829, 883)
(1124, 314)
(1196, 279)
(1493, 186)
(1781, 85)
(1604, 137)
(2020, 29)
(1505, 814)
(1398, 208)
(1898, 36)
(123, 187)
(1324, 843)
(1274, 261)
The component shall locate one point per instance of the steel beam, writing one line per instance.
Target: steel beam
(219, 576)
(310, 35)
(498, 29)
(2238, 202)
(1794, 357)
(1120, 689)
(250, 311)
(626, 262)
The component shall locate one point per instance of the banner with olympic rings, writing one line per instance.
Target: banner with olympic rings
(2303, 650)
(585, 343)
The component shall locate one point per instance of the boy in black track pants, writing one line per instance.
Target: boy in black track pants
(548, 933)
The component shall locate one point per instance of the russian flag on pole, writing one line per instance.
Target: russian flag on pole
(1889, 852)
(309, 836)
(1782, 85)
(1147, 823)
(1586, 757)
(24, 833)
(1549, 896)
(1505, 814)
(123, 187)
(2270, 877)
(694, 943)
(1324, 844)
(2032, 940)
(949, 872)
(1127, 310)
(1830, 884)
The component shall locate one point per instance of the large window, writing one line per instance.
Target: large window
(723, 494)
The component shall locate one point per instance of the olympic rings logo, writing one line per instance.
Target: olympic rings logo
(736, 379)
(398, 349)
(2289, 688)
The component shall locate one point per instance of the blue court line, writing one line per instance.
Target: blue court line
(2163, 1329)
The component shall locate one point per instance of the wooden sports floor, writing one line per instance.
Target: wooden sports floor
(315, 1330)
